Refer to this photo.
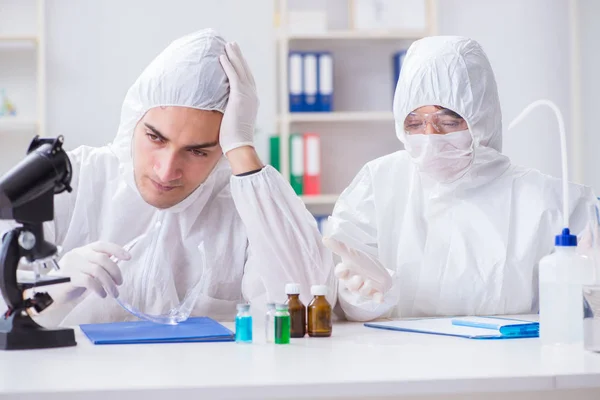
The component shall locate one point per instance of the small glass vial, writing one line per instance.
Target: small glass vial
(282, 324)
(319, 313)
(297, 310)
(243, 324)
(270, 323)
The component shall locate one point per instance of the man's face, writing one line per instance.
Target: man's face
(174, 151)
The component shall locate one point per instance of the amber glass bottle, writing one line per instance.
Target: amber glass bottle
(319, 313)
(297, 310)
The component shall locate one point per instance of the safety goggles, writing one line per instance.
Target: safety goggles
(443, 121)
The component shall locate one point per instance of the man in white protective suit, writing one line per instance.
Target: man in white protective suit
(180, 204)
(448, 226)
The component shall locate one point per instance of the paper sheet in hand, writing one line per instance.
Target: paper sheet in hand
(445, 327)
(198, 329)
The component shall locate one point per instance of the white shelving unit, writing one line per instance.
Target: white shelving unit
(337, 116)
(17, 125)
(7, 40)
(326, 199)
(286, 121)
(23, 75)
(357, 35)
(18, 42)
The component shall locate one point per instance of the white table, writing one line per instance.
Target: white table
(357, 362)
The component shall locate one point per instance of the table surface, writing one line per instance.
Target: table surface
(356, 361)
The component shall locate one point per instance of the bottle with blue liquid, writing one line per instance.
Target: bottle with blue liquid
(243, 324)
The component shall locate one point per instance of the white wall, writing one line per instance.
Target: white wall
(527, 43)
(96, 49)
(18, 75)
(589, 12)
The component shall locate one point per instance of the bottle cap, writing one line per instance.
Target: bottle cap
(319, 290)
(243, 307)
(292, 288)
(270, 306)
(282, 307)
(565, 239)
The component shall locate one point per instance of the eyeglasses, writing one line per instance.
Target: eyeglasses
(443, 121)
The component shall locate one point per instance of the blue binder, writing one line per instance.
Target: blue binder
(325, 82)
(310, 81)
(321, 221)
(398, 59)
(197, 329)
(295, 82)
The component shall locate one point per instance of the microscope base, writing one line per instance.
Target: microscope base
(20, 332)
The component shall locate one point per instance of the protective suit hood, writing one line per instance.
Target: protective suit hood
(187, 74)
(455, 73)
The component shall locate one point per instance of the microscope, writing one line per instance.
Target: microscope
(27, 197)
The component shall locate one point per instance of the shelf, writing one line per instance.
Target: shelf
(18, 41)
(320, 199)
(357, 35)
(11, 124)
(357, 116)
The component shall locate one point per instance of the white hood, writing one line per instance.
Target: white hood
(454, 72)
(187, 74)
(451, 72)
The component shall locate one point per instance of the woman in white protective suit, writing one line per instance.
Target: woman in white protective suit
(179, 202)
(458, 227)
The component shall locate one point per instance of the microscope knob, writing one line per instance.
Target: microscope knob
(41, 301)
(26, 240)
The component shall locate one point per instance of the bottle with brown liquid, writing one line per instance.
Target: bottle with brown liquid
(319, 313)
(297, 310)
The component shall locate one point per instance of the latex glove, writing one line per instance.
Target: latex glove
(360, 272)
(91, 268)
(237, 127)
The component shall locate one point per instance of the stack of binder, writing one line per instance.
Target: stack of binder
(310, 83)
(305, 161)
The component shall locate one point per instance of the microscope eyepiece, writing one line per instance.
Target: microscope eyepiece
(45, 171)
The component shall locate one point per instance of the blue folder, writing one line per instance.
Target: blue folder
(505, 326)
(197, 329)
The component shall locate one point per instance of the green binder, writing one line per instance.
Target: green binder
(274, 155)
(297, 162)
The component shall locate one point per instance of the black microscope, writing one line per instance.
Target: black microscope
(27, 197)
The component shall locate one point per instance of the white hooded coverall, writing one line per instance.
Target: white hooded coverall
(470, 247)
(257, 234)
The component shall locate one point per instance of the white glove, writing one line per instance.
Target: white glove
(90, 268)
(237, 127)
(360, 272)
